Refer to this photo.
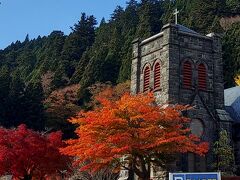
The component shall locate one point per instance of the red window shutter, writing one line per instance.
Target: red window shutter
(187, 74)
(202, 77)
(157, 76)
(146, 83)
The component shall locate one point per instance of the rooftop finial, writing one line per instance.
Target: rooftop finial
(176, 12)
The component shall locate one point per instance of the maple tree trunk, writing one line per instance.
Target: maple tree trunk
(145, 178)
(143, 172)
(27, 177)
(130, 172)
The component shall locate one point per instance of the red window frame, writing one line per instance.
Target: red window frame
(187, 74)
(202, 77)
(157, 76)
(146, 79)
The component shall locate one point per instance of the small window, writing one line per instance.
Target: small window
(197, 127)
(146, 83)
(202, 77)
(187, 75)
(157, 76)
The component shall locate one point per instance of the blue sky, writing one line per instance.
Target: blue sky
(40, 17)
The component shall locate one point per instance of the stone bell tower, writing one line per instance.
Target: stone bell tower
(183, 67)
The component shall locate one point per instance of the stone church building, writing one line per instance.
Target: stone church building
(182, 66)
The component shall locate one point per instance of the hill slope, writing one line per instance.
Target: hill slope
(90, 54)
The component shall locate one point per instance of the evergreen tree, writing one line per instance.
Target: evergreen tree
(81, 68)
(4, 90)
(103, 21)
(208, 11)
(150, 14)
(131, 20)
(89, 54)
(25, 63)
(26, 39)
(117, 14)
(224, 153)
(34, 106)
(144, 26)
(4, 82)
(78, 41)
(59, 78)
(16, 111)
(231, 54)
(233, 7)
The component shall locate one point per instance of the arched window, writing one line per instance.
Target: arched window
(187, 74)
(157, 76)
(202, 77)
(146, 80)
(197, 127)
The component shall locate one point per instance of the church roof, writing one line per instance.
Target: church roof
(231, 95)
(223, 115)
(232, 102)
(233, 114)
(185, 29)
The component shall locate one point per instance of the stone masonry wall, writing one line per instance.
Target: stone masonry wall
(172, 46)
(147, 53)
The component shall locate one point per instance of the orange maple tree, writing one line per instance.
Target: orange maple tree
(133, 127)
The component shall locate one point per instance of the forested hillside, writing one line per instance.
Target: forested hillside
(35, 70)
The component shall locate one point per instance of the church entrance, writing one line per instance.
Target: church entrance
(196, 163)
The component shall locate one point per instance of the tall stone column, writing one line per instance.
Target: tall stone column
(218, 71)
(135, 70)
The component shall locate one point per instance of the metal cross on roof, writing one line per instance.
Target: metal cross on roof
(176, 12)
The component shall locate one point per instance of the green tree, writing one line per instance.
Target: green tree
(233, 6)
(117, 13)
(144, 27)
(25, 63)
(224, 153)
(131, 20)
(90, 54)
(15, 112)
(4, 90)
(48, 54)
(34, 106)
(77, 76)
(231, 54)
(77, 42)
